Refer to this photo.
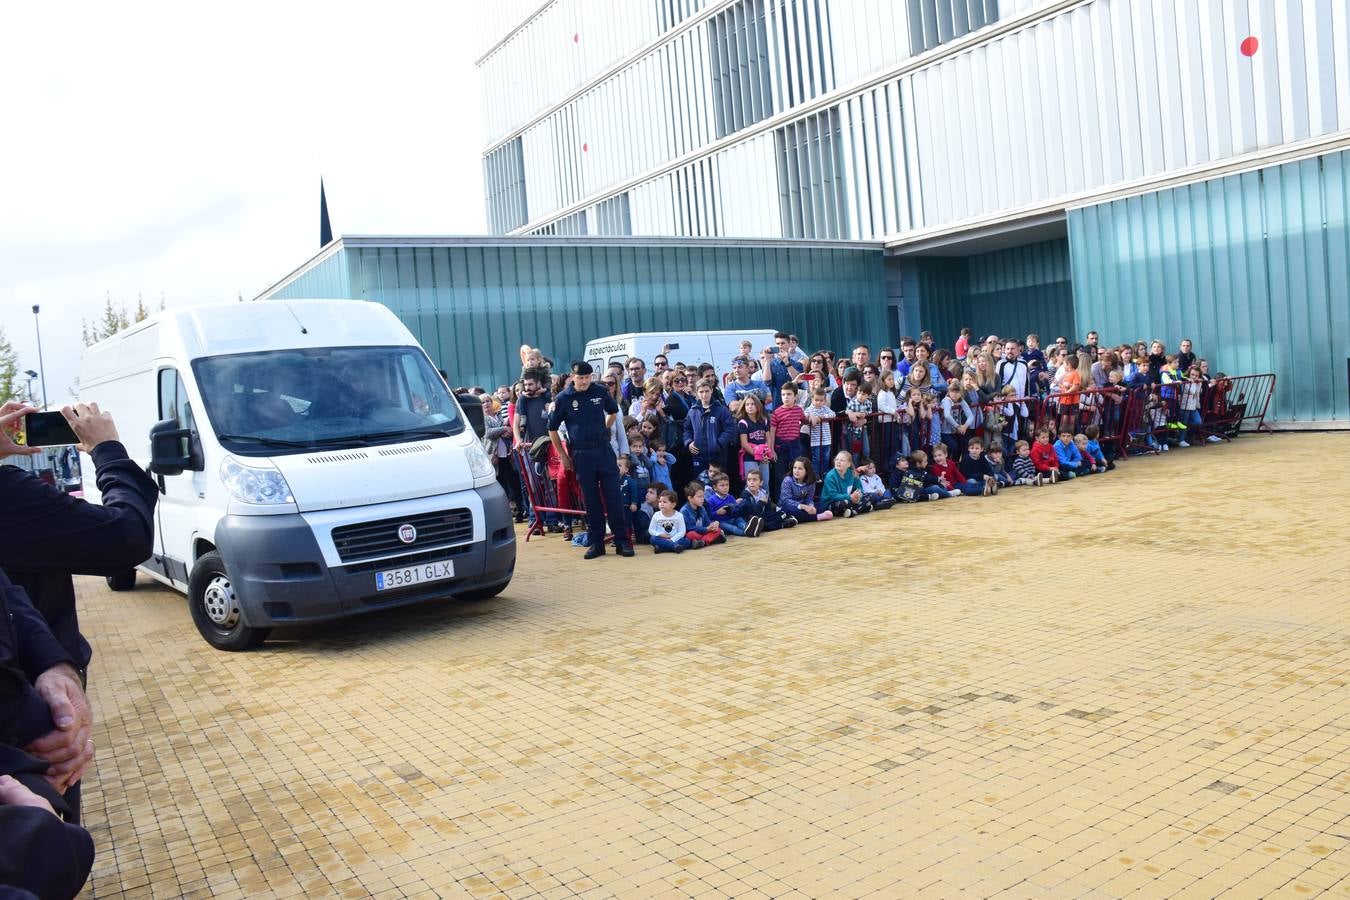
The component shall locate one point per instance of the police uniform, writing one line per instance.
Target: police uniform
(592, 457)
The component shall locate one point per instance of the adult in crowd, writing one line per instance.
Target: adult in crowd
(1013, 372)
(935, 374)
(796, 353)
(1186, 355)
(631, 388)
(589, 413)
(779, 365)
(741, 384)
(907, 356)
(49, 535)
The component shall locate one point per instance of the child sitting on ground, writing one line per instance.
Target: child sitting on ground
(932, 485)
(728, 511)
(756, 504)
(1044, 457)
(950, 477)
(993, 458)
(700, 527)
(1093, 432)
(1023, 469)
(667, 527)
(907, 485)
(974, 467)
(842, 491)
(874, 489)
(1071, 463)
(1094, 461)
(798, 493)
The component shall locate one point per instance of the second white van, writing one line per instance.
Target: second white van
(311, 463)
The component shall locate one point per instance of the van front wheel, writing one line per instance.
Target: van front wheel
(215, 608)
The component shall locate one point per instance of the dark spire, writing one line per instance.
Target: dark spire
(325, 228)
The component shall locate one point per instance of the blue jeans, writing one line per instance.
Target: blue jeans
(937, 490)
(733, 526)
(971, 488)
(661, 543)
(820, 459)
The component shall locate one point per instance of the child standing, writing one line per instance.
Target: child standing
(818, 416)
(667, 527)
(857, 408)
(1044, 457)
(727, 511)
(1024, 470)
(699, 525)
(874, 489)
(640, 464)
(958, 421)
(798, 493)
(661, 462)
(756, 437)
(631, 492)
(842, 491)
(757, 504)
(786, 422)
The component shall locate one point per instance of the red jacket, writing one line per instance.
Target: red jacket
(1044, 456)
(948, 472)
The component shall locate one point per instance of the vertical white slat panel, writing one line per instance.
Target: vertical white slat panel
(999, 91)
(1212, 88)
(1265, 100)
(1089, 143)
(1340, 28)
(844, 18)
(1284, 74)
(895, 118)
(775, 48)
(1311, 79)
(1126, 89)
(981, 127)
(1241, 112)
(770, 217)
(753, 51)
(916, 174)
(964, 151)
(848, 123)
(873, 162)
(925, 129)
(825, 47)
(885, 158)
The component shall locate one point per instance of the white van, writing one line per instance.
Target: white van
(688, 347)
(311, 463)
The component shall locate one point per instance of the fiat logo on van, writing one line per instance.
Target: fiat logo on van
(407, 534)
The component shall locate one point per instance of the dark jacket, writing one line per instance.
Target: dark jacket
(711, 430)
(40, 855)
(49, 535)
(27, 649)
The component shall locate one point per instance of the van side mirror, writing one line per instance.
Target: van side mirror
(473, 411)
(173, 450)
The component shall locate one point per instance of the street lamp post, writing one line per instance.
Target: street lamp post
(31, 375)
(41, 368)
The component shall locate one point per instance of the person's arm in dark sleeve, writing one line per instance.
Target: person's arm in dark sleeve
(40, 855)
(53, 531)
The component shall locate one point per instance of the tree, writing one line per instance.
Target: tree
(114, 319)
(10, 389)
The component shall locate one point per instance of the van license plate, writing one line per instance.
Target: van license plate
(411, 575)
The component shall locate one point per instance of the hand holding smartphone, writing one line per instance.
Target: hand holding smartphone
(48, 429)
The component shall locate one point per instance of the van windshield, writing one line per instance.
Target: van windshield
(293, 401)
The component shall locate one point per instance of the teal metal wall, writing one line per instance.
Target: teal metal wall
(473, 305)
(1006, 292)
(1254, 268)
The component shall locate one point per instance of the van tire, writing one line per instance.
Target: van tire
(122, 581)
(482, 593)
(215, 610)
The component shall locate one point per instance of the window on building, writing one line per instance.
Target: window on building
(738, 51)
(504, 180)
(934, 22)
(811, 177)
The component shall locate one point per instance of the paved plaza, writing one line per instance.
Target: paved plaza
(1134, 684)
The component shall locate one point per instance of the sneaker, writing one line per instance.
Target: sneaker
(1213, 439)
(1164, 447)
(721, 539)
(826, 516)
(1039, 480)
(1054, 476)
(754, 526)
(697, 545)
(848, 512)
(677, 549)
(789, 522)
(567, 535)
(1182, 444)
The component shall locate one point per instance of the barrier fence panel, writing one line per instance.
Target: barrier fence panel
(543, 494)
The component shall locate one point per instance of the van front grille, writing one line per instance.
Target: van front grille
(373, 539)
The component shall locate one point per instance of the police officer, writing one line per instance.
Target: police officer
(589, 411)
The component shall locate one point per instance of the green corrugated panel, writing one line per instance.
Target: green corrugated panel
(473, 306)
(327, 279)
(1254, 268)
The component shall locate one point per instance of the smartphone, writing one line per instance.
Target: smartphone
(809, 376)
(48, 429)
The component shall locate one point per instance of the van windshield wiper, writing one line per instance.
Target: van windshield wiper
(368, 436)
(264, 442)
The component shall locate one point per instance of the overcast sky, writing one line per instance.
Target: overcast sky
(175, 149)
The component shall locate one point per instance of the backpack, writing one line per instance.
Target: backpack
(910, 488)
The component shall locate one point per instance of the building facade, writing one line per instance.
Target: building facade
(1012, 156)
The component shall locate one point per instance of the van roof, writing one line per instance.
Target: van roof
(637, 334)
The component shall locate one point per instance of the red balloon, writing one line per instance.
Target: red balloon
(585, 148)
(1249, 45)
(576, 39)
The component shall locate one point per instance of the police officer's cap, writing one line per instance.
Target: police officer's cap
(581, 367)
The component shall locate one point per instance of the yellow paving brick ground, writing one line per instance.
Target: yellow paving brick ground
(1133, 684)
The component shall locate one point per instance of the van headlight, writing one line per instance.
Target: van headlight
(257, 483)
(480, 467)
